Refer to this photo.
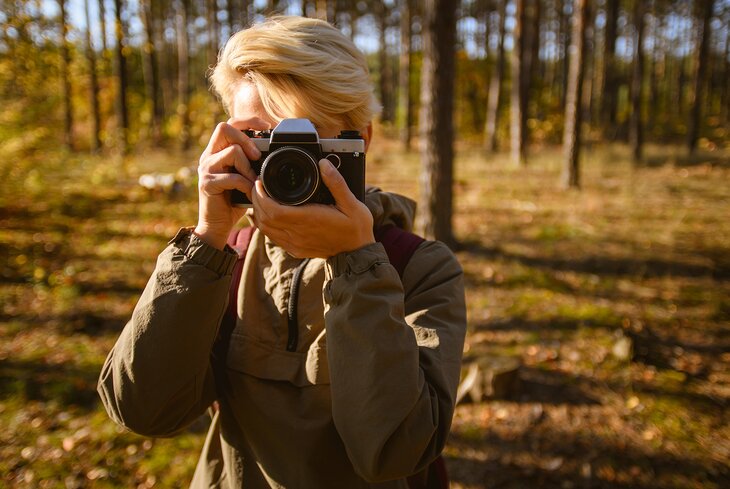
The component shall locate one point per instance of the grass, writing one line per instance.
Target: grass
(555, 277)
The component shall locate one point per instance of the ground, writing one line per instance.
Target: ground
(616, 299)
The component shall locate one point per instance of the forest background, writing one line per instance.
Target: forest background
(579, 155)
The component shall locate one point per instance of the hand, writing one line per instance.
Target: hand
(315, 230)
(228, 149)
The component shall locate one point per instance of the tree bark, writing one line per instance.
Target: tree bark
(66, 80)
(213, 31)
(572, 135)
(93, 86)
(404, 78)
(183, 82)
(436, 119)
(102, 25)
(695, 121)
(151, 71)
(384, 67)
(521, 71)
(636, 136)
(495, 85)
(610, 76)
(120, 69)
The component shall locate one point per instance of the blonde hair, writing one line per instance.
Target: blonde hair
(300, 67)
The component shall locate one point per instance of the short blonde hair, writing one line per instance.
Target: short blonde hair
(301, 67)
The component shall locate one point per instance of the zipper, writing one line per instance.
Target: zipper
(291, 311)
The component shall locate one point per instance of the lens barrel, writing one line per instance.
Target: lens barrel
(290, 175)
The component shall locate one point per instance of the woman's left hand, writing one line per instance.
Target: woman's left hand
(315, 230)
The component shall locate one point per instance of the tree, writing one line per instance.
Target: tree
(609, 94)
(522, 51)
(385, 78)
(151, 71)
(120, 72)
(703, 35)
(495, 84)
(102, 25)
(636, 136)
(571, 139)
(93, 85)
(66, 79)
(436, 119)
(183, 81)
(404, 77)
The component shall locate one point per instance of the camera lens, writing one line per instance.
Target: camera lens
(290, 175)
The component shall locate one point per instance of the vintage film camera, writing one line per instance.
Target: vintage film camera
(289, 169)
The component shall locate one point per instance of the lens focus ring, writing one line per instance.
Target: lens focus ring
(290, 175)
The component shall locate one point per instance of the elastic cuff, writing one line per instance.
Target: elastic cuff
(358, 261)
(200, 252)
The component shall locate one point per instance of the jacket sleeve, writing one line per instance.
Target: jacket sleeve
(157, 379)
(394, 356)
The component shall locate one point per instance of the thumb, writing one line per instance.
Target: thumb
(335, 182)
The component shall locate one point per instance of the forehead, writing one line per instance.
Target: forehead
(247, 103)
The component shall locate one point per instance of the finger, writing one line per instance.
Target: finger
(255, 123)
(335, 182)
(224, 160)
(225, 135)
(216, 183)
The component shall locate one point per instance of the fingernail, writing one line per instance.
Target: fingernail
(326, 166)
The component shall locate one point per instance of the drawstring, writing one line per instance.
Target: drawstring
(291, 344)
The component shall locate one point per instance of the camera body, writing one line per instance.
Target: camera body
(289, 167)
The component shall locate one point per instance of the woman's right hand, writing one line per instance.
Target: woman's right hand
(229, 148)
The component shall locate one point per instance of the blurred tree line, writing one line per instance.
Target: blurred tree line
(522, 71)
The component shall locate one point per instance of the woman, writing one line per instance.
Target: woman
(366, 395)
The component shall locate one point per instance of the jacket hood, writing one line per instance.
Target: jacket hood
(390, 209)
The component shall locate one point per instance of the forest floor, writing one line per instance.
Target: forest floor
(615, 298)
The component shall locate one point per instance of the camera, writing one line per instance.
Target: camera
(289, 168)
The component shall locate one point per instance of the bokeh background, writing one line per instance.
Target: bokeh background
(598, 349)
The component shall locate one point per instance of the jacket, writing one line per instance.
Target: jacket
(366, 398)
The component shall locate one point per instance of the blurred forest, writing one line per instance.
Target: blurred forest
(654, 71)
(599, 318)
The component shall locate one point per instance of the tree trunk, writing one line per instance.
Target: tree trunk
(213, 31)
(183, 83)
(571, 138)
(322, 9)
(66, 80)
(495, 84)
(94, 86)
(354, 14)
(695, 120)
(162, 14)
(637, 82)
(102, 25)
(151, 71)
(404, 78)
(610, 76)
(521, 71)
(436, 119)
(385, 71)
(565, 26)
(120, 68)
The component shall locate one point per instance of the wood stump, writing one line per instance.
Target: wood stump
(490, 377)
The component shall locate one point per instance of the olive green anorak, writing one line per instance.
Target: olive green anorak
(365, 400)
